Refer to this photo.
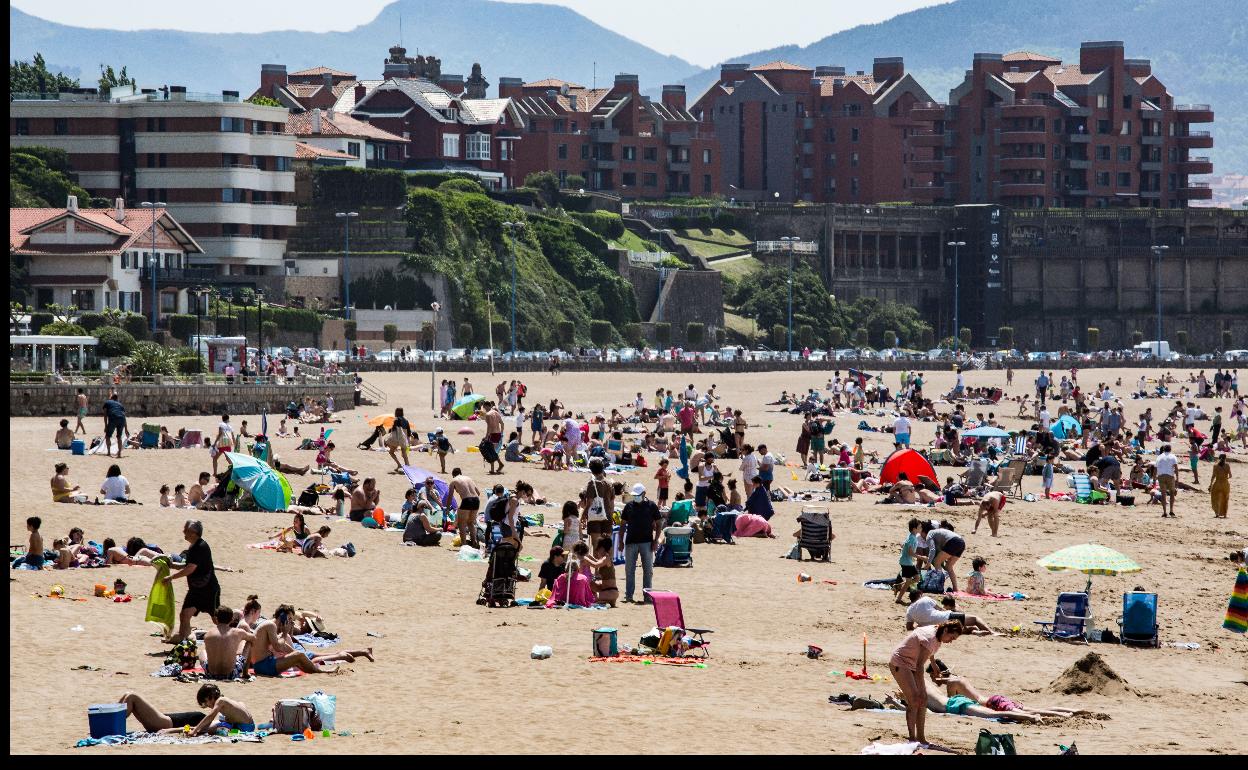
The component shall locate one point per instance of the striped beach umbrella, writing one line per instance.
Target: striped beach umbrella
(1237, 611)
(1090, 559)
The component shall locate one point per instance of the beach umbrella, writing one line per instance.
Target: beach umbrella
(1066, 426)
(987, 431)
(382, 420)
(270, 489)
(264, 422)
(466, 405)
(1090, 559)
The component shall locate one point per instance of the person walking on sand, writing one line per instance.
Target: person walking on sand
(114, 422)
(203, 591)
(1167, 466)
(1220, 488)
(469, 504)
(80, 402)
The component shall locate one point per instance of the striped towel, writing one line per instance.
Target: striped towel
(1237, 610)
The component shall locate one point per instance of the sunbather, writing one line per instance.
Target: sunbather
(1000, 706)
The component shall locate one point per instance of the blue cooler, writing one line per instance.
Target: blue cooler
(107, 719)
(605, 643)
(78, 447)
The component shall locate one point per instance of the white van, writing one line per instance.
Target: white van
(1156, 349)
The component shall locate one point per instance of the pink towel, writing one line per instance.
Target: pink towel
(582, 594)
(985, 597)
(752, 525)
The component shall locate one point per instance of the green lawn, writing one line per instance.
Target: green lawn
(726, 237)
(708, 250)
(739, 269)
(633, 242)
(739, 324)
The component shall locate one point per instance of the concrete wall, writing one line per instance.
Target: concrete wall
(151, 400)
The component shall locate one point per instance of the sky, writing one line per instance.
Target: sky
(724, 28)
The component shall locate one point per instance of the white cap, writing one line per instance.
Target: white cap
(639, 489)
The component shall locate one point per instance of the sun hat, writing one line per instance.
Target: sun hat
(639, 489)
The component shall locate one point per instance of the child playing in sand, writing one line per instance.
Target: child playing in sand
(551, 569)
(911, 559)
(64, 556)
(975, 583)
(571, 525)
(233, 713)
(313, 545)
(165, 500)
(180, 500)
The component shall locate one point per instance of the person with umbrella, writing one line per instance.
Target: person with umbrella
(203, 591)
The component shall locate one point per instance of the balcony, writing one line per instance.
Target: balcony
(1195, 166)
(1149, 110)
(1077, 190)
(1195, 140)
(1078, 137)
(1027, 108)
(1023, 188)
(679, 138)
(1075, 164)
(1152, 139)
(1150, 165)
(1193, 113)
(927, 111)
(604, 135)
(177, 276)
(604, 164)
(1154, 194)
(932, 166)
(1196, 191)
(929, 139)
(681, 166)
(1021, 136)
(1021, 162)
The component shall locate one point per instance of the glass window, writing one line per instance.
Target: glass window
(450, 145)
(504, 150)
(353, 149)
(853, 134)
(1102, 179)
(1124, 154)
(629, 152)
(584, 152)
(478, 147)
(1102, 126)
(650, 153)
(234, 125)
(706, 156)
(1126, 101)
(562, 152)
(83, 299)
(649, 180)
(706, 183)
(1124, 179)
(60, 126)
(1126, 128)
(1102, 101)
(853, 160)
(21, 127)
(629, 179)
(1102, 152)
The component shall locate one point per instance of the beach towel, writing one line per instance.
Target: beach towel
(989, 597)
(752, 525)
(168, 739)
(161, 603)
(267, 545)
(581, 594)
(1237, 610)
(315, 642)
(892, 748)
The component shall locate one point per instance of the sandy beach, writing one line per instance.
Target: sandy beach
(449, 673)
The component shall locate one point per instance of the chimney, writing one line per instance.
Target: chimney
(990, 63)
(861, 72)
(1101, 55)
(829, 71)
(453, 84)
(552, 96)
(361, 91)
(510, 88)
(627, 82)
(733, 72)
(674, 97)
(327, 80)
(71, 203)
(890, 68)
(177, 93)
(316, 120)
(119, 209)
(1139, 68)
(572, 102)
(272, 77)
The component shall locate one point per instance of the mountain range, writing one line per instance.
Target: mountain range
(1199, 50)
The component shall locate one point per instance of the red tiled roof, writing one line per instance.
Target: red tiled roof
(780, 65)
(1017, 77)
(304, 90)
(136, 224)
(552, 83)
(1069, 75)
(1029, 56)
(305, 151)
(867, 83)
(337, 124)
(322, 71)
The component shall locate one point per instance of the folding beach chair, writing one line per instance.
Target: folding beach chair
(1018, 468)
(680, 512)
(192, 439)
(667, 613)
(1069, 619)
(1082, 484)
(841, 484)
(723, 525)
(150, 436)
(816, 536)
(1004, 481)
(676, 550)
(1020, 444)
(1138, 624)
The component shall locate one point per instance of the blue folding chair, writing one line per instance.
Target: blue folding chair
(1138, 624)
(1070, 618)
(1083, 487)
(679, 544)
(724, 525)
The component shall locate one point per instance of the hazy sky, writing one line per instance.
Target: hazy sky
(724, 28)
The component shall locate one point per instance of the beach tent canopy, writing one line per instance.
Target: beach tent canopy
(1067, 426)
(986, 431)
(417, 477)
(269, 488)
(909, 462)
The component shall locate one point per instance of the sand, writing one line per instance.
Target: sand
(454, 677)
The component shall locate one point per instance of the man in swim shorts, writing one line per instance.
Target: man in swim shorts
(469, 504)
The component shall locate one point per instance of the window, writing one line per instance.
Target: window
(1126, 128)
(853, 134)
(1057, 125)
(1124, 154)
(1102, 127)
(562, 152)
(1126, 101)
(559, 126)
(353, 149)
(21, 127)
(853, 187)
(649, 180)
(563, 178)
(125, 260)
(233, 195)
(629, 179)
(1124, 179)
(168, 302)
(831, 160)
(163, 160)
(160, 124)
(60, 126)
(853, 160)
(234, 125)
(283, 163)
(706, 183)
(1057, 152)
(1174, 182)
(1102, 152)
(1102, 101)
(831, 135)
(151, 160)
(504, 150)
(450, 145)
(229, 228)
(83, 299)
(650, 154)
(706, 157)
(478, 147)
(584, 152)
(628, 152)
(108, 299)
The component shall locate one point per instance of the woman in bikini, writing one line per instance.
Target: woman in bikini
(603, 580)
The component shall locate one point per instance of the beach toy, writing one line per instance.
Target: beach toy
(100, 589)
(326, 733)
(106, 719)
(802, 577)
(57, 592)
(119, 587)
(813, 652)
(379, 516)
(605, 643)
(308, 734)
(78, 447)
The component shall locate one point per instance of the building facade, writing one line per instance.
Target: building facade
(224, 167)
(789, 133)
(614, 138)
(367, 145)
(1028, 131)
(98, 259)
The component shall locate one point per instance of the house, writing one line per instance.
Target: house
(367, 145)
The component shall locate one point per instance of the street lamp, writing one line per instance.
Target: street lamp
(489, 324)
(259, 325)
(433, 359)
(346, 217)
(790, 242)
(155, 261)
(198, 293)
(957, 278)
(512, 227)
(1157, 252)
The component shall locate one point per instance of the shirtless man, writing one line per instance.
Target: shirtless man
(494, 435)
(990, 508)
(271, 655)
(153, 720)
(364, 499)
(469, 504)
(198, 493)
(64, 437)
(80, 402)
(222, 643)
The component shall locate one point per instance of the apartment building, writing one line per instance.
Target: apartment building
(790, 133)
(224, 167)
(614, 138)
(1029, 131)
(97, 259)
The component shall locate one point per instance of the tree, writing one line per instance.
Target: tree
(263, 101)
(574, 182)
(502, 333)
(663, 334)
(63, 329)
(964, 336)
(780, 337)
(390, 333)
(110, 80)
(427, 334)
(269, 330)
(1227, 339)
(694, 334)
(567, 332)
(33, 78)
(889, 339)
(862, 338)
(836, 337)
(600, 332)
(148, 359)
(1183, 340)
(34, 180)
(1137, 337)
(349, 330)
(1005, 336)
(805, 335)
(465, 335)
(113, 341)
(546, 183)
(1094, 338)
(633, 334)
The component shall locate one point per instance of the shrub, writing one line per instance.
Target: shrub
(149, 359)
(602, 223)
(633, 334)
(861, 338)
(780, 337)
(601, 332)
(349, 330)
(182, 326)
(836, 337)
(269, 329)
(725, 221)
(114, 342)
(465, 335)
(92, 321)
(663, 334)
(435, 179)
(1137, 337)
(574, 182)
(695, 334)
(502, 334)
(461, 184)
(519, 196)
(890, 338)
(805, 335)
(63, 329)
(1183, 340)
(1094, 338)
(1005, 336)
(227, 326)
(136, 324)
(703, 221)
(349, 186)
(545, 183)
(567, 332)
(677, 222)
(964, 336)
(390, 334)
(192, 364)
(38, 321)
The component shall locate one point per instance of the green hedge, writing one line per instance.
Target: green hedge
(519, 196)
(182, 326)
(38, 321)
(603, 223)
(113, 342)
(576, 201)
(136, 324)
(349, 186)
(92, 321)
(461, 184)
(63, 329)
(434, 179)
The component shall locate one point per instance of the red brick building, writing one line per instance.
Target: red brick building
(1027, 131)
(616, 139)
(790, 133)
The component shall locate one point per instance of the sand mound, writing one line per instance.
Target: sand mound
(1090, 674)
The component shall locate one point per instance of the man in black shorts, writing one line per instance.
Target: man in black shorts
(114, 422)
(203, 592)
(469, 504)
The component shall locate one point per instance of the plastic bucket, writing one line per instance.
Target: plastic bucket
(106, 719)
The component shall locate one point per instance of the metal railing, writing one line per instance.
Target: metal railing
(1192, 108)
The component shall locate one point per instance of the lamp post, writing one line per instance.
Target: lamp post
(1157, 252)
(790, 241)
(957, 285)
(346, 217)
(259, 326)
(155, 262)
(198, 293)
(489, 325)
(433, 360)
(513, 227)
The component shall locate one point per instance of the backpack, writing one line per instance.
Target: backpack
(933, 582)
(993, 743)
(309, 496)
(291, 717)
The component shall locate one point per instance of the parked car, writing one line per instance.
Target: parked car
(626, 355)
(1235, 355)
(456, 354)
(818, 355)
(385, 356)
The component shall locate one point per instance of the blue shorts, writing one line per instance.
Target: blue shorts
(266, 666)
(903, 438)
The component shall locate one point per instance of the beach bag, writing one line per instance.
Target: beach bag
(394, 439)
(292, 717)
(309, 497)
(933, 582)
(488, 452)
(995, 744)
(597, 506)
(326, 706)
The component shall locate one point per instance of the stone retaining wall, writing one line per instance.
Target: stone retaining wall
(152, 400)
(748, 367)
